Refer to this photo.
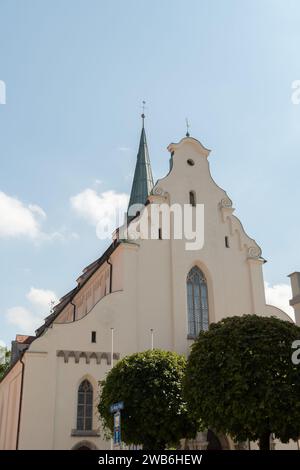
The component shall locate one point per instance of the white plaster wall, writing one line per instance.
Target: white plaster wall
(9, 407)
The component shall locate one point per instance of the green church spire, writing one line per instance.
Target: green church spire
(143, 179)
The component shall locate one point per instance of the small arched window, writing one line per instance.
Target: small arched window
(192, 198)
(197, 302)
(85, 406)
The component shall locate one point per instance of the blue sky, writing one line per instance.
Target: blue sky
(76, 72)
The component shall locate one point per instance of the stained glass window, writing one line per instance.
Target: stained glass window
(85, 406)
(197, 302)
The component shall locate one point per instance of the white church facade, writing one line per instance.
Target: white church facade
(48, 399)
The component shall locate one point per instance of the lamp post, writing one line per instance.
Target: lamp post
(111, 366)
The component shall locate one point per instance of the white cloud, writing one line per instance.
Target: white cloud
(41, 298)
(279, 295)
(124, 149)
(20, 220)
(2, 344)
(37, 210)
(28, 320)
(24, 319)
(95, 207)
(17, 219)
(61, 235)
(74, 236)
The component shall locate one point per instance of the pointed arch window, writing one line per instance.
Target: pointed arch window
(85, 406)
(193, 198)
(197, 302)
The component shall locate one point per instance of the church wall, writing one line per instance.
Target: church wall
(278, 445)
(10, 388)
(232, 280)
(56, 381)
(69, 377)
(118, 269)
(154, 294)
(38, 408)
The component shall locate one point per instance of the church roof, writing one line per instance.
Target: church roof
(143, 180)
(87, 274)
(88, 271)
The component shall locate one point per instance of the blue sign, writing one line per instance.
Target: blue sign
(116, 407)
(117, 428)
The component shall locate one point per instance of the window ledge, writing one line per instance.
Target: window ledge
(79, 432)
(192, 337)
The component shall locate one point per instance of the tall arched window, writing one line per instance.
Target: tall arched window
(85, 406)
(197, 301)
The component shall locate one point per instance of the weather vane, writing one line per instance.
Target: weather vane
(187, 127)
(143, 111)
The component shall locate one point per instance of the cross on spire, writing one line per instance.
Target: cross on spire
(187, 127)
(143, 112)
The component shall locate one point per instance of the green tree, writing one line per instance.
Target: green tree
(4, 361)
(150, 385)
(240, 379)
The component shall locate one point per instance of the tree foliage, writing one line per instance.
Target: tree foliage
(240, 379)
(4, 361)
(150, 385)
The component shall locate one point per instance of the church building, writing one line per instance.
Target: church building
(138, 292)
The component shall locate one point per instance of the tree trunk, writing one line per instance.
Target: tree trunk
(264, 441)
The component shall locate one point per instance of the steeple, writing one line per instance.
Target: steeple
(143, 180)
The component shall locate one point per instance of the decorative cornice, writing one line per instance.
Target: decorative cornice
(87, 355)
(226, 202)
(159, 191)
(254, 252)
(189, 140)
